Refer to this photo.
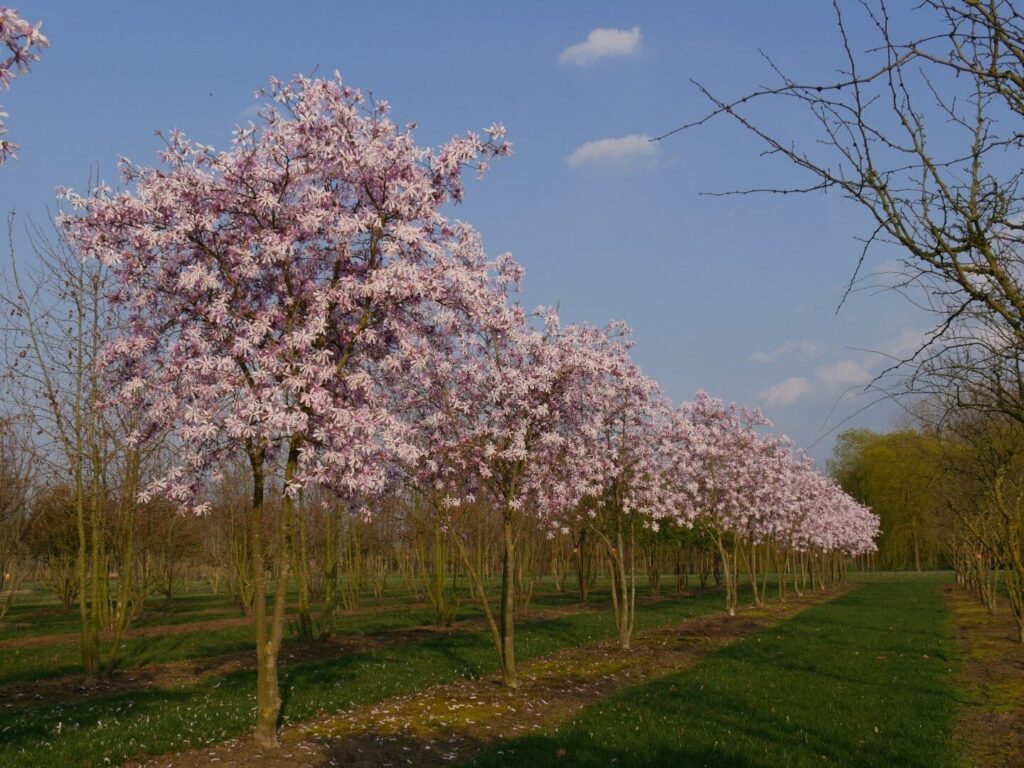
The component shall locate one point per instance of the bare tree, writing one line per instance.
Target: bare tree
(16, 464)
(921, 133)
(58, 321)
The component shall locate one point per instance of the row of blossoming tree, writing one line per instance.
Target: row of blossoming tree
(303, 302)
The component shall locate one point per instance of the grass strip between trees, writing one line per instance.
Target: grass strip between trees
(990, 728)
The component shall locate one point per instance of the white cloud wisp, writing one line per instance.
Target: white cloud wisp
(602, 44)
(631, 151)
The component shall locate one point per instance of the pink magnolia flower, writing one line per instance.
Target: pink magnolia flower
(23, 42)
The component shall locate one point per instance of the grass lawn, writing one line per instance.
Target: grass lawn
(865, 680)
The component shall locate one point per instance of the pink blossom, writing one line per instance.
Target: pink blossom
(23, 42)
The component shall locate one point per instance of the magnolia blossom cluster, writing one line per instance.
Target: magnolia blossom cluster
(302, 299)
(22, 41)
(723, 471)
(507, 413)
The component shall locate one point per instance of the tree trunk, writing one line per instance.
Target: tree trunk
(584, 565)
(332, 547)
(301, 569)
(268, 694)
(475, 576)
(508, 651)
(752, 572)
(89, 639)
(730, 577)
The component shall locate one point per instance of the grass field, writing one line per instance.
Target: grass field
(865, 678)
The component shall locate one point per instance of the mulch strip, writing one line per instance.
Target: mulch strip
(990, 727)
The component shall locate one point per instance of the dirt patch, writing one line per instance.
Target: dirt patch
(990, 727)
(449, 723)
(5, 625)
(160, 630)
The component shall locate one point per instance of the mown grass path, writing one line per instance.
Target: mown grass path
(864, 680)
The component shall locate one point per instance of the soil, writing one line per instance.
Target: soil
(990, 726)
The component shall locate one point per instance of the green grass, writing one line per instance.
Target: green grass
(119, 726)
(20, 665)
(862, 681)
(38, 614)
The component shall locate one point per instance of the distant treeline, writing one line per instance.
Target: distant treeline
(901, 476)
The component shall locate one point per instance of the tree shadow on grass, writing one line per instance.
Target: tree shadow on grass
(668, 724)
(856, 682)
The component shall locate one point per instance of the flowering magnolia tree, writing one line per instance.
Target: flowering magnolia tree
(22, 41)
(501, 415)
(828, 526)
(275, 292)
(621, 460)
(711, 446)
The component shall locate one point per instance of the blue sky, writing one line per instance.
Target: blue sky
(733, 295)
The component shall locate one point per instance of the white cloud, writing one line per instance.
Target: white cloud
(827, 379)
(626, 152)
(805, 349)
(903, 343)
(841, 375)
(786, 392)
(600, 44)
